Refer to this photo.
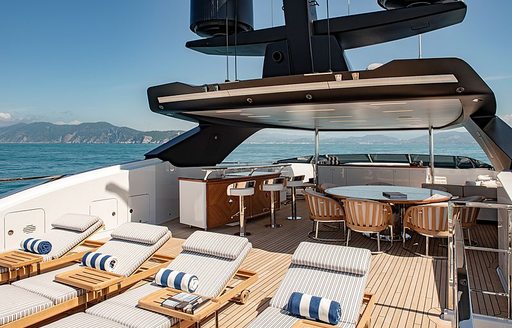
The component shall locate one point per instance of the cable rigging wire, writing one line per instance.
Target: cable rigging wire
(329, 36)
(227, 42)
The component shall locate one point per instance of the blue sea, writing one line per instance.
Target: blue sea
(27, 160)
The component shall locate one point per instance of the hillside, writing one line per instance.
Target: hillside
(100, 132)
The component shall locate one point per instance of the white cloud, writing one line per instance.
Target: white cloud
(5, 117)
(74, 122)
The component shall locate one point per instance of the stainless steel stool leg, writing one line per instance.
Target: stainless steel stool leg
(294, 205)
(242, 232)
(273, 223)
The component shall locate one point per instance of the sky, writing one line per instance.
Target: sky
(76, 61)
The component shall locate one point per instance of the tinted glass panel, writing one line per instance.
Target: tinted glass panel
(390, 158)
(353, 158)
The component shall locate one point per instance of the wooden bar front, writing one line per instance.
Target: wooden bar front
(220, 208)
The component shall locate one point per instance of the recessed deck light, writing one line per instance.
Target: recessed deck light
(331, 117)
(477, 100)
(398, 111)
(347, 121)
(310, 110)
(396, 103)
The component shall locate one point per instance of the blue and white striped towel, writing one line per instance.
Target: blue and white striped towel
(99, 261)
(314, 308)
(177, 280)
(37, 246)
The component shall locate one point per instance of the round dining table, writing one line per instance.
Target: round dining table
(413, 196)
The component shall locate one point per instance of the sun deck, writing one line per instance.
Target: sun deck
(410, 290)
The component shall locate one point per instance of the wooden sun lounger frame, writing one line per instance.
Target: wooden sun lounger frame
(236, 293)
(149, 268)
(365, 321)
(44, 266)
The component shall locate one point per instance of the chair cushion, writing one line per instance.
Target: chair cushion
(140, 232)
(216, 244)
(16, 303)
(84, 320)
(330, 257)
(75, 222)
(44, 285)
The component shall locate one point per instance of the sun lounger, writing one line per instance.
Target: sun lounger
(68, 238)
(333, 272)
(214, 258)
(46, 295)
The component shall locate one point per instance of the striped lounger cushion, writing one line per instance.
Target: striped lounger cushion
(84, 320)
(139, 233)
(64, 240)
(308, 274)
(330, 257)
(16, 303)
(213, 273)
(215, 244)
(130, 254)
(75, 222)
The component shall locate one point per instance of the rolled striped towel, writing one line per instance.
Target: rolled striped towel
(99, 261)
(314, 308)
(177, 280)
(37, 246)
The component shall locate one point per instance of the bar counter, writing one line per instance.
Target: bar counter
(204, 203)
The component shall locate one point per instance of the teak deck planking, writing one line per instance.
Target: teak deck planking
(410, 290)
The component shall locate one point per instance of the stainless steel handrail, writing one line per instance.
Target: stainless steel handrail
(237, 169)
(459, 291)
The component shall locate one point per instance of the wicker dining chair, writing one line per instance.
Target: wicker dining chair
(468, 215)
(324, 210)
(430, 221)
(367, 216)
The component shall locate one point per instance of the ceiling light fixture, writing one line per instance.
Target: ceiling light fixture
(331, 117)
(397, 103)
(310, 110)
(398, 111)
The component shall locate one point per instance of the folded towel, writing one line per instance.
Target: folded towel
(177, 280)
(314, 308)
(99, 261)
(37, 246)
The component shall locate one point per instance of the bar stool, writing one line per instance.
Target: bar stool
(273, 186)
(241, 190)
(294, 183)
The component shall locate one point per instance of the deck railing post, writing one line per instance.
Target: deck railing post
(509, 263)
(317, 151)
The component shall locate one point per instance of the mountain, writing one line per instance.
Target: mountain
(440, 138)
(100, 132)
